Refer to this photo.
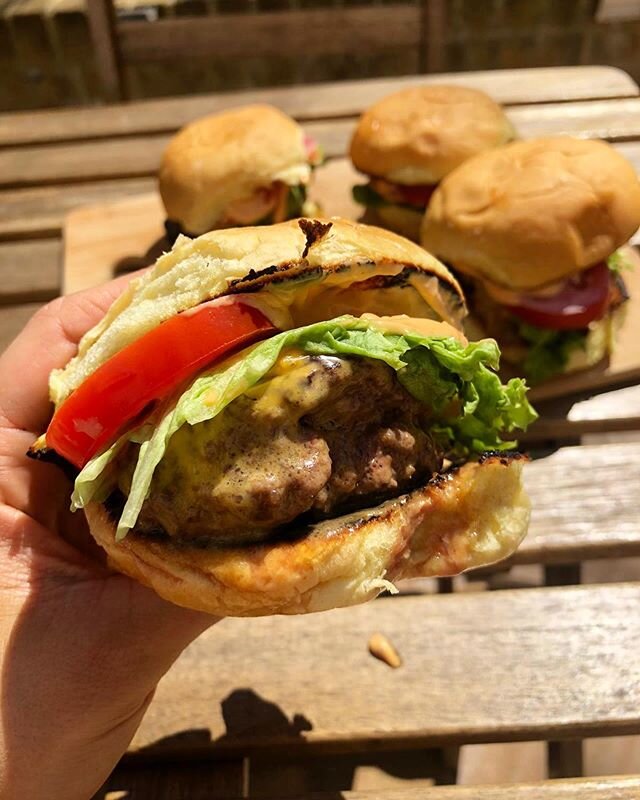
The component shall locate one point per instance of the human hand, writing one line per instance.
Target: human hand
(82, 647)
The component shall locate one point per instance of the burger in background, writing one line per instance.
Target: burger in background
(406, 144)
(534, 227)
(247, 166)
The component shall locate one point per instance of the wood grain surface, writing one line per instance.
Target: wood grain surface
(107, 238)
(305, 31)
(615, 788)
(322, 101)
(584, 505)
(13, 318)
(40, 211)
(181, 781)
(139, 155)
(30, 271)
(208, 781)
(510, 665)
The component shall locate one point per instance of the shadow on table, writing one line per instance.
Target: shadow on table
(245, 713)
(250, 722)
(262, 754)
(133, 263)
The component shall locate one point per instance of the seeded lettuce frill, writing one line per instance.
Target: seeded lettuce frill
(469, 406)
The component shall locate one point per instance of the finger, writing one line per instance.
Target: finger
(47, 342)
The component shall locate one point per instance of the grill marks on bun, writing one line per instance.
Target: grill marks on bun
(338, 253)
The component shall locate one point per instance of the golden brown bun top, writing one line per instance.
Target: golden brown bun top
(225, 157)
(332, 254)
(419, 135)
(534, 212)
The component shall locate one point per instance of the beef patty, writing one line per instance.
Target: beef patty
(321, 436)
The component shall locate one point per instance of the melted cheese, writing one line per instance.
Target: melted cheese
(404, 324)
(326, 302)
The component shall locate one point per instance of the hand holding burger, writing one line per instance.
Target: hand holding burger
(250, 442)
(69, 706)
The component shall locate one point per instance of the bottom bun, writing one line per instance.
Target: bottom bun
(398, 219)
(466, 518)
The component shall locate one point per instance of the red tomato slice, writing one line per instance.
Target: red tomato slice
(147, 370)
(418, 195)
(313, 151)
(582, 299)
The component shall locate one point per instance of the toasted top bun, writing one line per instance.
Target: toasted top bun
(225, 157)
(468, 518)
(419, 135)
(534, 212)
(326, 258)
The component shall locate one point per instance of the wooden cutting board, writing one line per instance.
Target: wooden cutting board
(107, 239)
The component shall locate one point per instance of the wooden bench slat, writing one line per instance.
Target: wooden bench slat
(602, 119)
(476, 668)
(616, 788)
(40, 211)
(138, 156)
(562, 430)
(294, 33)
(132, 157)
(573, 519)
(620, 403)
(30, 271)
(345, 99)
(618, 11)
(208, 781)
(187, 781)
(13, 319)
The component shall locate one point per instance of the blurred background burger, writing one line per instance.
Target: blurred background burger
(406, 144)
(535, 227)
(248, 166)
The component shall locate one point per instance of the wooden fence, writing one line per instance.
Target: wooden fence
(47, 57)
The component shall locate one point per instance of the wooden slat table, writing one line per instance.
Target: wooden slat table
(483, 662)
(280, 707)
(302, 692)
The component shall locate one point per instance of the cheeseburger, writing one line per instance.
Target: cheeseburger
(248, 166)
(535, 228)
(249, 442)
(409, 141)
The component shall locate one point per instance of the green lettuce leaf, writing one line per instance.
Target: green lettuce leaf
(619, 262)
(364, 195)
(469, 406)
(549, 351)
(296, 198)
